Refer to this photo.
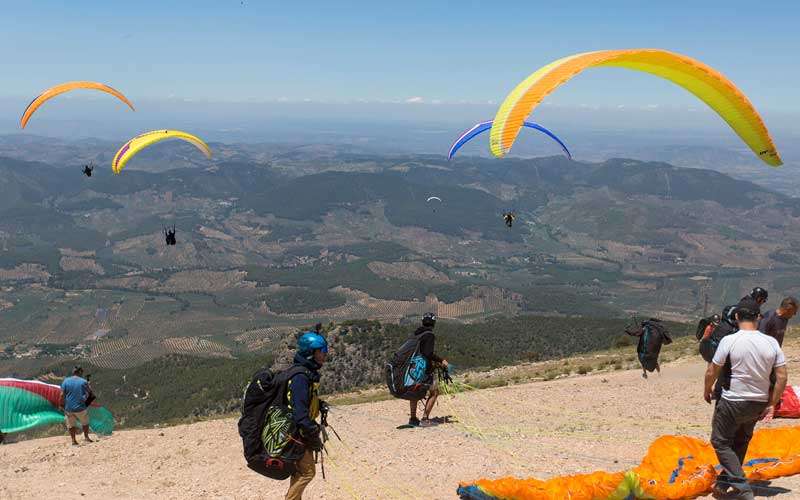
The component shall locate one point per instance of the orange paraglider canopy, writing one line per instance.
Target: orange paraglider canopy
(67, 87)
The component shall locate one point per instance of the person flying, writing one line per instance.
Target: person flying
(169, 236)
(88, 169)
(509, 217)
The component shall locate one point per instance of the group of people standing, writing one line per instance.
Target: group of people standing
(746, 377)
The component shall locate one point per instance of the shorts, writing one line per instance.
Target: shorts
(73, 417)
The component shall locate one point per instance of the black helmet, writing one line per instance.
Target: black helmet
(429, 319)
(759, 294)
(716, 318)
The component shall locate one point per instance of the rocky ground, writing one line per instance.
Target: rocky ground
(571, 425)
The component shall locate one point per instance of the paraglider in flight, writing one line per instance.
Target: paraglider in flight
(509, 218)
(26, 404)
(482, 127)
(169, 236)
(66, 87)
(703, 81)
(88, 169)
(140, 142)
(433, 198)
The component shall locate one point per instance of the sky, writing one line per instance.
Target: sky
(413, 60)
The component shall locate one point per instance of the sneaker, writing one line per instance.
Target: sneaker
(426, 422)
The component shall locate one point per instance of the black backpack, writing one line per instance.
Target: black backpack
(265, 400)
(701, 326)
(407, 371)
(708, 346)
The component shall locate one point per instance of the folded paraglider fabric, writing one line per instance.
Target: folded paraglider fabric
(790, 403)
(674, 467)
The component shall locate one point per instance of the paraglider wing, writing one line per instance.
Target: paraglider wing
(703, 81)
(66, 87)
(140, 142)
(482, 127)
(25, 404)
(434, 198)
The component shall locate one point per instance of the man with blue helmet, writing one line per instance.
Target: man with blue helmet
(304, 403)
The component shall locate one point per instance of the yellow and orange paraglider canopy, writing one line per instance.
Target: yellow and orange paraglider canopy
(706, 83)
(66, 87)
(142, 141)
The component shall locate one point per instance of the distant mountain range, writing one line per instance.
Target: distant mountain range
(273, 238)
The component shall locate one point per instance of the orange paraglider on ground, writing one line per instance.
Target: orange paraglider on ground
(674, 467)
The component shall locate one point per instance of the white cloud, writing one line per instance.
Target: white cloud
(415, 100)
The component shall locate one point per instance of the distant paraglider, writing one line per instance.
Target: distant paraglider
(434, 198)
(142, 141)
(706, 83)
(482, 127)
(509, 218)
(88, 169)
(169, 236)
(66, 87)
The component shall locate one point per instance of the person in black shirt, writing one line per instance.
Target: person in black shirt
(774, 322)
(427, 343)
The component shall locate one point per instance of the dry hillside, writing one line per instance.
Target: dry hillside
(570, 425)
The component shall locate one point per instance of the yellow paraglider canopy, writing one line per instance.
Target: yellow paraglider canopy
(66, 87)
(138, 143)
(706, 83)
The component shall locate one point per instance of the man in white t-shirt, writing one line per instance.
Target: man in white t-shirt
(746, 398)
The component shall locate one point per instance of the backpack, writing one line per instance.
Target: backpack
(266, 426)
(701, 326)
(407, 372)
(708, 346)
(652, 335)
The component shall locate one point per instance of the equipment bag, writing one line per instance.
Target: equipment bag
(266, 426)
(652, 335)
(407, 373)
(708, 346)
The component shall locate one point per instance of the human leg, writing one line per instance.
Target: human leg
(723, 433)
(306, 470)
(429, 404)
(72, 425)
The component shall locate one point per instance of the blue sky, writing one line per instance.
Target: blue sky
(459, 53)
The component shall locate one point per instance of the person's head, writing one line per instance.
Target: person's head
(318, 327)
(313, 346)
(77, 371)
(746, 313)
(716, 318)
(429, 320)
(788, 308)
(759, 295)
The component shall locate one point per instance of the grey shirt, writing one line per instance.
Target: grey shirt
(773, 325)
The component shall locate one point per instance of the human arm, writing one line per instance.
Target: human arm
(776, 391)
(781, 376)
(712, 374)
(300, 403)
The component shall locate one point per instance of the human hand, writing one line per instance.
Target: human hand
(767, 414)
(707, 395)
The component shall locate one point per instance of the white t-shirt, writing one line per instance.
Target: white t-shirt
(753, 356)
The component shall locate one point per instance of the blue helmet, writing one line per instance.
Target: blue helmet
(310, 342)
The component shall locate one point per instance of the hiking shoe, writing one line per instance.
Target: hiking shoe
(426, 422)
(413, 421)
